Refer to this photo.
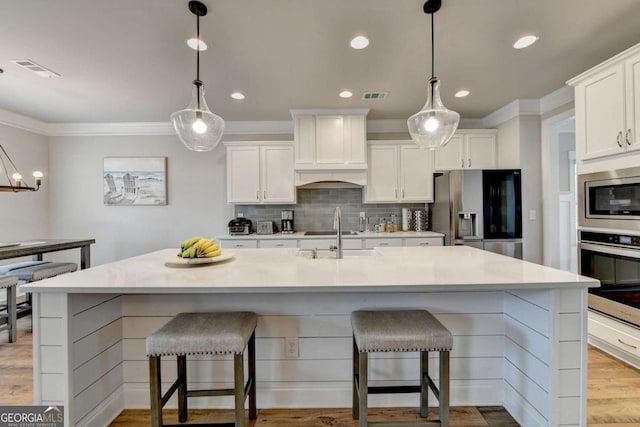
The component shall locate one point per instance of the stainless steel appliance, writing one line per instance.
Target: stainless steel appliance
(610, 200)
(265, 227)
(287, 221)
(240, 226)
(492, 197)
(614, 259)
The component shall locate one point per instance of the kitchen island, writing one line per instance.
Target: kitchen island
(519, 329)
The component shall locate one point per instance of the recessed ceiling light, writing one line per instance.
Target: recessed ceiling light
(462, 93)
(237, 95)
(525, 41)
(359, 42)
(346, 94)
(196, 44)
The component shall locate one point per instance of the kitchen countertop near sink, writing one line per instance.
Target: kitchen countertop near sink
(360, 235)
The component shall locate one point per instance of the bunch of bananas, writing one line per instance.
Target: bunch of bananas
(199, 247)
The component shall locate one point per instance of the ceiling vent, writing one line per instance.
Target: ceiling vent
(375, 95)
(28, 64)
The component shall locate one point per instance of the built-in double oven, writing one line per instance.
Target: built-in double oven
(609, 241)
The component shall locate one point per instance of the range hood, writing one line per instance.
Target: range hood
(330, 147)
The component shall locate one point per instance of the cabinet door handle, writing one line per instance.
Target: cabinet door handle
(403, 193)
(628, 345)
(461, 163)
(627, 136)
(469, 162)
(258, 195)
(395, 190)
(619, 138)
(264, 195)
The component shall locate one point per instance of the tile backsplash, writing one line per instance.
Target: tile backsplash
(315, 207)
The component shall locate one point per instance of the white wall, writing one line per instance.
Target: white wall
(196, 195)
(522, 135)
(24, 215)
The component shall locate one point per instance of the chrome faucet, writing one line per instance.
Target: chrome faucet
(337, 225)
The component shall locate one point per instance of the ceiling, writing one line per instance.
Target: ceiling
(127, 61)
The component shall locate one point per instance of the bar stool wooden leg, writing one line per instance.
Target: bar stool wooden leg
(252, 375)
(155, 382)
(355, 404)
(363, 387)
(444, 389)
(12, 316)
(424, 384)
(238, 375)
(182, 388)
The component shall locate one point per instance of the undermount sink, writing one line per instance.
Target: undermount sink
(329, 233)
(347, 253)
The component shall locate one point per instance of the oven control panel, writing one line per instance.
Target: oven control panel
(612, 239)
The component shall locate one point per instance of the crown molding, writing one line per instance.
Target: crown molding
(110, 129)
(557, 98)
(519, 107)
(18, 121)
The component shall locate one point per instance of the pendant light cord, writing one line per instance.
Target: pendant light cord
(433, 48)
(199, 83)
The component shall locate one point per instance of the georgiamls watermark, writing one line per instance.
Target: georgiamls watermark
(32, 416)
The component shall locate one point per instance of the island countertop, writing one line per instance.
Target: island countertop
(396, 269)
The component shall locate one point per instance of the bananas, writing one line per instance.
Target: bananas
(199, 247)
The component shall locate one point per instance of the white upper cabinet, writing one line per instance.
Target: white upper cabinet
(260, 173)
(468, 149)
(399, 171)
(607, 104)
(330, 141)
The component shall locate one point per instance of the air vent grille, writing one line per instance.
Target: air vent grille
(38, 69)
(375, 95)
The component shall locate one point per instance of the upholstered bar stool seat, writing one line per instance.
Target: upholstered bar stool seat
(400, 331)
(203, 333)
(10, 283)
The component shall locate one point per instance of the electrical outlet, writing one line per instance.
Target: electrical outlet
(533, 215)
(291, 348)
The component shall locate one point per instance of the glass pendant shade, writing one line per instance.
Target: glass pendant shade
(434, 125)
(197, 127)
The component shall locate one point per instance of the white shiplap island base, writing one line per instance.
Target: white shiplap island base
(519, 329)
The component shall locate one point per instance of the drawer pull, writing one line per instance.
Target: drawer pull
(238, 245)
(280, 244)
(384, 244)
(424, 244)
(628, 345)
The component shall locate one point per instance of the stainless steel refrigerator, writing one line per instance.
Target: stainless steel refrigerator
(481, 209)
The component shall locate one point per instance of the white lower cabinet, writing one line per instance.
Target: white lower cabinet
(423, 241)
(385, 242)
(237, 243)
(617, 338)
(279, 243)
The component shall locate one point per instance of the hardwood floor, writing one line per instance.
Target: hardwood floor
(613, 397)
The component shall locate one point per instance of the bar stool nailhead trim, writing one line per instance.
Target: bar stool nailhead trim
(204, 333)
(401, 331)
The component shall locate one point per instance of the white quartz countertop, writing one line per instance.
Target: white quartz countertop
(360, 235)
(403, 269)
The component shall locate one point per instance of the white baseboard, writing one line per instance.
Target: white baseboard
(520, 409)
(327, 395)
(614, 351)
(105, 412)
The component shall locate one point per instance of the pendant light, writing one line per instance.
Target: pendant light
(434, 125)
(197, 127)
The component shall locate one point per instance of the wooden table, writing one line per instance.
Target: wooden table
(36, 248)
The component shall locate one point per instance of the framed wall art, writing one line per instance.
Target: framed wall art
(135, 181)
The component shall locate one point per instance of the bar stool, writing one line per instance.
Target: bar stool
(400, 331)
(10, 283)
(204, 333)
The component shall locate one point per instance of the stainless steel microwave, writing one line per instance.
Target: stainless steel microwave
(610, 200)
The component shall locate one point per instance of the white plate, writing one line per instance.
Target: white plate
(176, 261)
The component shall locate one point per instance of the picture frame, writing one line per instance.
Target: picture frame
(134, 181)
